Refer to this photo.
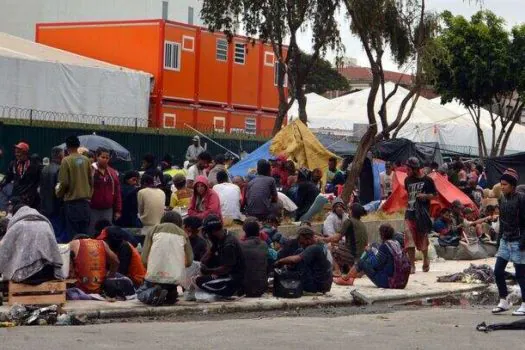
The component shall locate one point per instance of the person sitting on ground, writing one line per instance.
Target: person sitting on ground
(167, 252)
(307, 192)
(256, 259)
(334, 221)
(241, 183)
(271, 226)
(347, 253)
(150, 168)
(198, 169)
(167, 185)
(181, 197)
(472, 226)
(449, 235)
(280, 172)
(379, 264)
(29, 251)
(292, 177)
(312, 262)
(317, 177)
(229, 195)
(333, 175)
(130, 263)
(490, 229)
(151, 200)
(223, 267)
(205, 201)
(192, 227)
(92, 261)
(103, 228)
(261, 193)
(218, 167)
(130, 206)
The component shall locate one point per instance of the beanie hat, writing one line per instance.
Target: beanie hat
(511, 176)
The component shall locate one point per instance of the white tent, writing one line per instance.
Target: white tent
(430, 121)
(311, 99)
(54, 85)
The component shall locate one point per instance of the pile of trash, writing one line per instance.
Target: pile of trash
(475, 274)
(32, 315)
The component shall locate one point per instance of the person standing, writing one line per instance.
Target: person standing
(512, 244)
(75, 187)
(106, 201)
(421, 190)
(50, 205)
(151, 202)
(385, 178)
(194, 150)
(130, 207)
(25, 176)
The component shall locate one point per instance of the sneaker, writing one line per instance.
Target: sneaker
(520, 311)
(341, 281)
(503, 306)
(159, 297)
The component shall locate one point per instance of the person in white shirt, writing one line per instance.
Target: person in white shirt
(386, 178)
(194, 150)
(198, 169)
(334, 221)
(229, 195)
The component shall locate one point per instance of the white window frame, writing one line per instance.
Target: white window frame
(235, 57)
(185, 39)
(254, 119)
(275, 72)
(272, 62)
(179, 49)
(215, 120)
(169, 115)
(221, 40)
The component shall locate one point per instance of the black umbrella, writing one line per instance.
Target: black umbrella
(94, 142)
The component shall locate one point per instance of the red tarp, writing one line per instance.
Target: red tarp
(447, 193)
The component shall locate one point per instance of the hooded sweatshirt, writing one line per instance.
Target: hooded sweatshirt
(28, 246)
(208, 204)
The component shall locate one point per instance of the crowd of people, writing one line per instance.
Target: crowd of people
(150, 234)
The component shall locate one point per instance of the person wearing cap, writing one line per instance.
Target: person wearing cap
(167, 253)
(50, 205)
(24, 174)
(313, 262)
(181, 197)
(194, 150)
(75, 187)
(421, 190)
(218, 166)
(223, 267)
(130, 206)
(198, 169)
(512, 240)
(334, 221)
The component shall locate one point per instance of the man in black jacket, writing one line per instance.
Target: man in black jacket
(25, 176)
(50, 205)
(512, 243)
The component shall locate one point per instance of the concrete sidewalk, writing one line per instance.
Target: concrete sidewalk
(421, 285)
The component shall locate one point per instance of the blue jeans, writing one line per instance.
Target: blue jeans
(316, 208)
(365, 265)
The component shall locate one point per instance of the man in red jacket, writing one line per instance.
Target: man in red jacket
(106, 202)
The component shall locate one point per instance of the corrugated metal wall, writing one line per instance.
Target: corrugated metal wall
(42, 139)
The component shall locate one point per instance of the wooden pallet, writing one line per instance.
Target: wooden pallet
(48, 293)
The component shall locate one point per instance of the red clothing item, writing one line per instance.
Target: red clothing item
(106, 191)
(282, 174)
(211, 203)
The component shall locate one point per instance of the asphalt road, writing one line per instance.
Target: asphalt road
(426, 328)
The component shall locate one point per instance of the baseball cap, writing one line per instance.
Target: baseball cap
(211, 223)
(22, 146)
(196, 138)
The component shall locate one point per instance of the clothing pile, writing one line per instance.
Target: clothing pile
(475, 274)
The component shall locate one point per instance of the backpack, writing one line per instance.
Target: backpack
(287, 284)
(401, 266)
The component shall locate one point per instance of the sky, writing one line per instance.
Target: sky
(513, 11)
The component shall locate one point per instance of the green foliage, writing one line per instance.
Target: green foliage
(323, 76)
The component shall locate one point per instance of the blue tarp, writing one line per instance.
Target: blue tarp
(250, 162)
(378, 166)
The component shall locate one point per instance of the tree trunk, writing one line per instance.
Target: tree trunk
(301, 100)
(509, 131)
(399, 126)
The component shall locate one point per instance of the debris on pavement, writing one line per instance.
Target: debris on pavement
(475, 274)
(32, 315)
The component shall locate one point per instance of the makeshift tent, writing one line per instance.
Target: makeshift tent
(337, 144)
(250, 162)
(494, 167)
(54, 85)
(401, 149)
(447, 193)
(297, 142)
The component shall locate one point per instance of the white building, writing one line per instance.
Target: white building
(19, 17)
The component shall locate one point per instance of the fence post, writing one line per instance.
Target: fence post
(136, 124)
(31, 117)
